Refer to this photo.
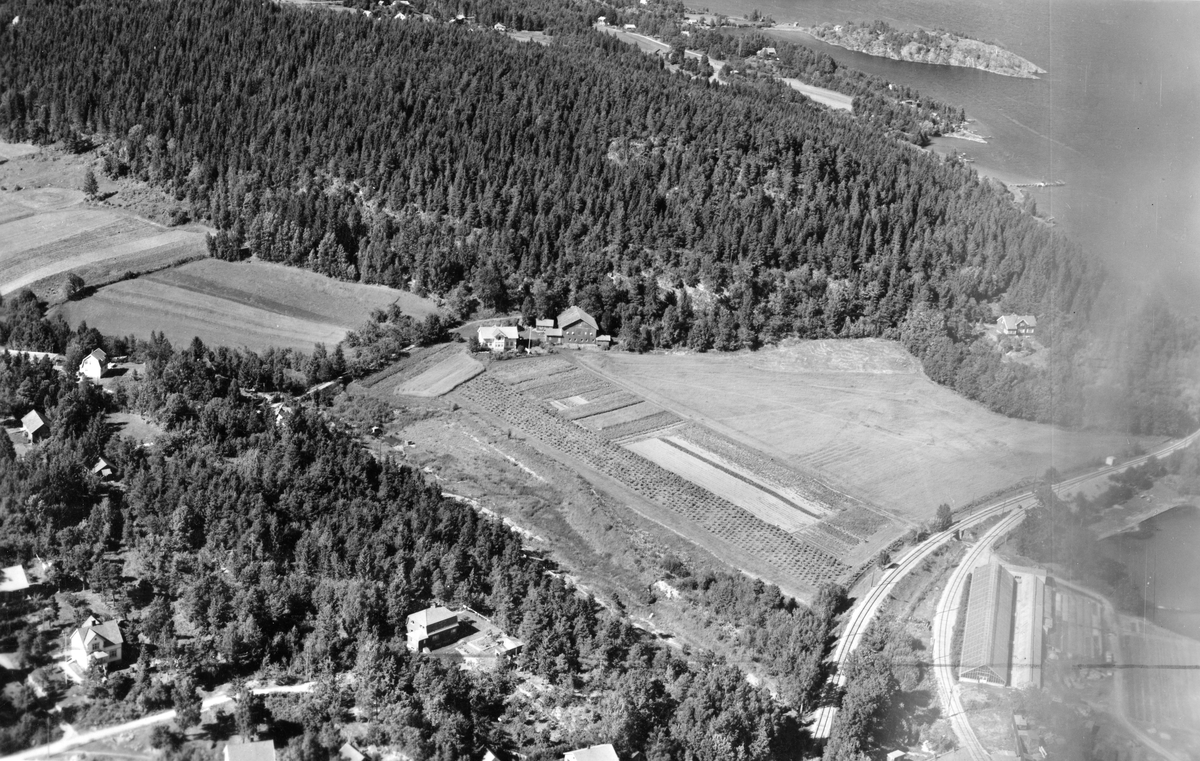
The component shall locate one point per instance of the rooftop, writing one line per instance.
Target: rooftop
(263, 750)
(432, 616)
(594, 753)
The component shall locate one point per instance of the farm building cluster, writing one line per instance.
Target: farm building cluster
(574, 327)
(1016, 617)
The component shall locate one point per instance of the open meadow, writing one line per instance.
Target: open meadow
(861, 415)
(252, 304)
(48, 229)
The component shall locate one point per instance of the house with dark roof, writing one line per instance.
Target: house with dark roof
(988, 633)
(431, 628)
(94, 365)
(1017, 324)
(578, 326)
(35, 427)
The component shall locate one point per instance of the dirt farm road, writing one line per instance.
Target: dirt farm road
(72, 742)
(866, 607)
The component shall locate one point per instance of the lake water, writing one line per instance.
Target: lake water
(1117, 116)
(1167, 565)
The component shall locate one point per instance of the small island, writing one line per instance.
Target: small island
(938, 46)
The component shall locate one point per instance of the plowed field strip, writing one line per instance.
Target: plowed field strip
(670, 440)
(724, 483)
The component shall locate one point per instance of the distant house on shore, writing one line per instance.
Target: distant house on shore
(1017, 324)
(431, 628)
(604, 752)
(264, 750)
(498, 338)
(34, 427)
(94, 365)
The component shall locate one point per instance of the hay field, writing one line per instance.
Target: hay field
(737, 490)
(861, 415)
(251, 304)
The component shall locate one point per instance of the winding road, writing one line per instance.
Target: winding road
(74, 741)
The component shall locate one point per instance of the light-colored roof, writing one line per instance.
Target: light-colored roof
(604, 752)
(601, 339)
(557, 332)
(32, 422)
(101, 464)
(99, 355)
(546, 323)
(263, 750)
(575, 314)
(1010, 321)
(350, 753)
(489, 332)
(13, 579)
(986, 642)
(431, 616)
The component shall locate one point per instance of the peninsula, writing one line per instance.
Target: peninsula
(920, 46)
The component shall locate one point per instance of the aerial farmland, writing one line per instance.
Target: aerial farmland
(859, 415)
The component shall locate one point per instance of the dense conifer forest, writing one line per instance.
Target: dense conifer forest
(451, 160)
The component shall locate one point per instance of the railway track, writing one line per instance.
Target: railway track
(867, 607)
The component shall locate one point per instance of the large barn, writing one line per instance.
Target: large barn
(986, 647)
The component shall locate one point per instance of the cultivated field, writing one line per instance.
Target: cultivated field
(721, 494)
(251, 304)
(443, 377)
(861, 415)
(725, 483)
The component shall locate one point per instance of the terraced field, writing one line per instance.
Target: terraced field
(726, 494)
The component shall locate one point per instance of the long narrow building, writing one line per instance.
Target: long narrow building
(987, 636)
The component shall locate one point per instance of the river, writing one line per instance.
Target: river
(1116, 117)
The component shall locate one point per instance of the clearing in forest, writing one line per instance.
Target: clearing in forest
(860, 415)
(252, 304)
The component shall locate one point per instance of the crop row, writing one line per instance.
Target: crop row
(409, 367)
(641, 427)
(555, 376)
(827, 541)
(526, 368)
(607, 403)
(799, 559)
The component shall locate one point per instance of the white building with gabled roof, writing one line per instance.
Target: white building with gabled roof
(431, 628)
(94, 365)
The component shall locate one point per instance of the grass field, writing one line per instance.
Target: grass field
(861, 415)
(251, 304)
(47, 230)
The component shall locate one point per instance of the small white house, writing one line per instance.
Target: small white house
(94, 365)
(1017, 324)
(498, 338)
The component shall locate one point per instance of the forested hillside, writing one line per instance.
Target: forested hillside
(238, 546)
(503, 175)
